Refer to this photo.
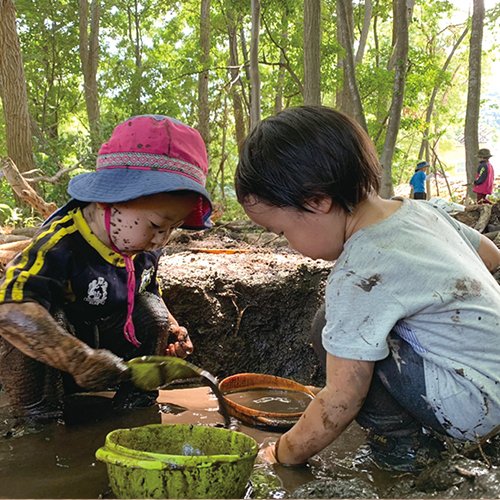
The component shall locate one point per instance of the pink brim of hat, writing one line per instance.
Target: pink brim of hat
(120, 185)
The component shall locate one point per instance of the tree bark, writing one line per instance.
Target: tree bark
(89, 56)
(254, 65)
(14, 94)
(351, 101)
(400, 61)
(203, 105)
(471, 132)
(367, 18)
(235, 85)
(312, 52)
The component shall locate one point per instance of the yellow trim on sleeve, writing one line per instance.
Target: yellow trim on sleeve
(9, 274)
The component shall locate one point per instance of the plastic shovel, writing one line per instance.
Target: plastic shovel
(149, 373)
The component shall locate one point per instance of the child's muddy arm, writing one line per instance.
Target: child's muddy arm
(333, 409)
(31, 329)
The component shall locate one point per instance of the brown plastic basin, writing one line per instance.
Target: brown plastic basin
(251, 416)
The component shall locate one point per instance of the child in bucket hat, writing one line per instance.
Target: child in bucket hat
(417, 182)
(83, 296)
(485, 176)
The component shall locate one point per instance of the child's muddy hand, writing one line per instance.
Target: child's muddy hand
(182, 346)
(101, 370)
(267, 452)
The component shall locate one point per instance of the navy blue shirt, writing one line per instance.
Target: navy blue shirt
(66, 266)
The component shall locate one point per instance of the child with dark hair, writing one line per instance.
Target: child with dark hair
(83, 296)
(410, 328)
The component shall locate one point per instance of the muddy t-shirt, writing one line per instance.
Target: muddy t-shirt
(418, 274)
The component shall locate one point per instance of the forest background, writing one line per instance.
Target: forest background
(419, 76)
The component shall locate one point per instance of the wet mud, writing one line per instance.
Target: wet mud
(59, 461)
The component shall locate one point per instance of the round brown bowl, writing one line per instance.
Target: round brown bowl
(258, 418)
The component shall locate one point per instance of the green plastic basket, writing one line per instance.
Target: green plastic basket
(178, 461)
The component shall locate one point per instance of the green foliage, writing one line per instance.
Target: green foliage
(14, 216)
(149, 62)
(231, 210)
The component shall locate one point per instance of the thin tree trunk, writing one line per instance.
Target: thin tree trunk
(236, 85)
(254, 65)
(135, 37)
(89, 57)
(14, 95)
(367, 18)
(312, 52)
(278, 98)
(400, 61)
(471, 132)
(355, 107)
(424, 148)
(203, 105)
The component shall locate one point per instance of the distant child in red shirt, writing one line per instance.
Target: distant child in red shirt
(483, 184)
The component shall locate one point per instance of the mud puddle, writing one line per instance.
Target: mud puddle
(59, 461)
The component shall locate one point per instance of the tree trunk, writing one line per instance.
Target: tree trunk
(278, 99)
(471, 133)
(254, 65)
(14, 95)
(312, 52)
(351, 101)
(203, 106)
(364, 32)
(89, 56)
(424, 148)
(236, 86)
(135, 37)
(400, 66)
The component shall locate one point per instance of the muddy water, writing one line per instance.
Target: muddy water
(271, 400)
(59, 461)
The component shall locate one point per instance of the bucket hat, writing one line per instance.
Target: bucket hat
(421, 164)
(484, 153)
(149, 154)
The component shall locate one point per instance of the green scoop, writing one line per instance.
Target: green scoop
(155, 372)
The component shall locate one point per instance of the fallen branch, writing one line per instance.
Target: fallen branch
(484, 217)
(23, 190)
(9, 250)
(54, 178)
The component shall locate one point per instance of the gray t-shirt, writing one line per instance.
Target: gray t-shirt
(418, 273)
